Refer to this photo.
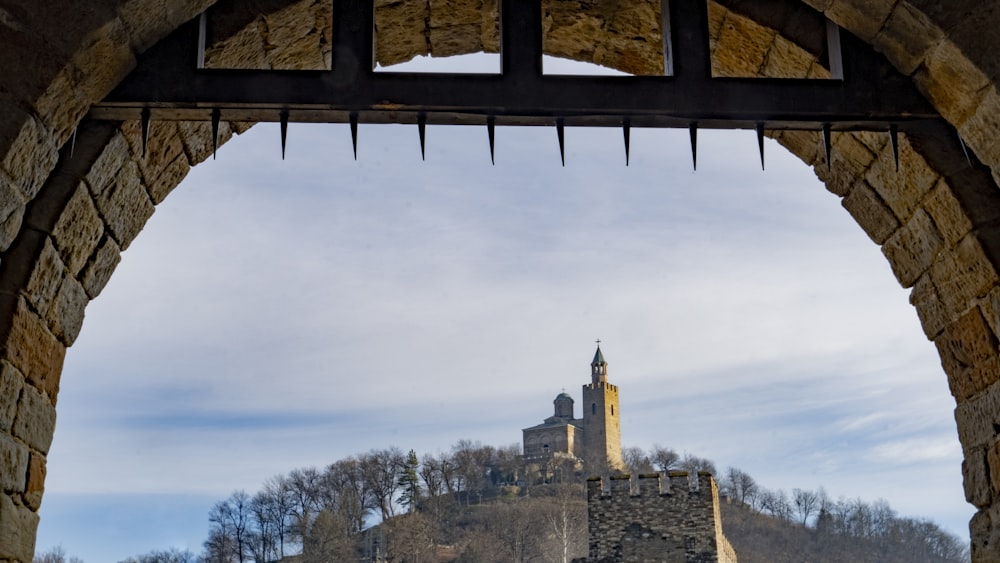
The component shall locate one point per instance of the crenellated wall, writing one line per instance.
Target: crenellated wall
(679, 523)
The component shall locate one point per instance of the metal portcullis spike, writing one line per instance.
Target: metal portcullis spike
(560, 132)
(72, 143)
(828, 144)
(422, 130)
(491, 123)
(965, 149)
(693, 132)
(216, 118)
(284, 132)
(626, 131)
(760, 143)
(894, 141)
(145, 118)
(354, 132)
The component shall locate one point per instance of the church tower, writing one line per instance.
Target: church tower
(602, 451)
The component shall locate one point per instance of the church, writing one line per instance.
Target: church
(594, 439)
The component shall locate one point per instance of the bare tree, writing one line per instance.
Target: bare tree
(740, 486)
(664, 459)
(231, 518)
(565, 517)
(327, 538)
(55, 555)
(636, 461)
(806, 503)
(380, 470)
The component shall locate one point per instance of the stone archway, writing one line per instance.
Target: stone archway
(61, 230)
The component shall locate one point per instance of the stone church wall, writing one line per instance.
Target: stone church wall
(678, 525)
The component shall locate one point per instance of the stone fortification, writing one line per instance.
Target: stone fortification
(678, 525)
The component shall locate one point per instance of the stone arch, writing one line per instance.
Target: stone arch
(62, 229)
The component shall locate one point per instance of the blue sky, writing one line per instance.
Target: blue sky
(281, 314)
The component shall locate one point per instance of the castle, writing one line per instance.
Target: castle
(680, 524)
(594, 439)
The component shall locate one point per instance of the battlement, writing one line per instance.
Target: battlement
(656, 518)
(601, 385)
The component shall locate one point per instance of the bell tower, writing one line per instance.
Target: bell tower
(601, 428)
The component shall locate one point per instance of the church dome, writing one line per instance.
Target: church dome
(564, 405)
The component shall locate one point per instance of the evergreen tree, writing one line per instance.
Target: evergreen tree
(409, 482)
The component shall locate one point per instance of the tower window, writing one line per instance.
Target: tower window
(593, 408)
(612, 410)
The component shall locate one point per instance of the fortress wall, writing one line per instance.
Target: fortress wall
(679, 522)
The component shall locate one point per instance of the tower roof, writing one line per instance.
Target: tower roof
(598, 357)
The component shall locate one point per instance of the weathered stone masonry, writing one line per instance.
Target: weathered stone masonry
(937, 219)
(678, 525)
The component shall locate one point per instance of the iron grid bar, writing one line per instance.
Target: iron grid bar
(169, 85)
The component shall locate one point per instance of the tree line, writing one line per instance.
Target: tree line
(477, 502)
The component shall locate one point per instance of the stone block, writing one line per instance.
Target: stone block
(36, 481)
(806, 145)
(244, 48)
(17, 530)
(46, 277)
(13, 465)
(571, 34)
(976, 478)
(621, 46)
(145, 23)
(11, 383)
(743, 46)
(851, 158)
(977, 36)
(863, 18)
(952, 83)
(905, 188)
(102, 173)
(31, 348)
(980, 130)
(946, 211)
(102, 264)
(968, 351)
(976, 417)
(163, 148)
(104, 58)
(126, 205)
(490, 26)
(981, 528)
(63, 105)
(445, 13)
(912, 248)
(930, 310)
(962, 275)
(9, 227)
(454, 40)
(197, 139)
(36, 419)
(66, 317)
(993, 464)
(31, 155)
(78, 230)
(871, 213)
(819, 5)
(294, 36)
(400, 31)
(787, 60)
(907, 36)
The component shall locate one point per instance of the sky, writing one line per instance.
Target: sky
(278, 314)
